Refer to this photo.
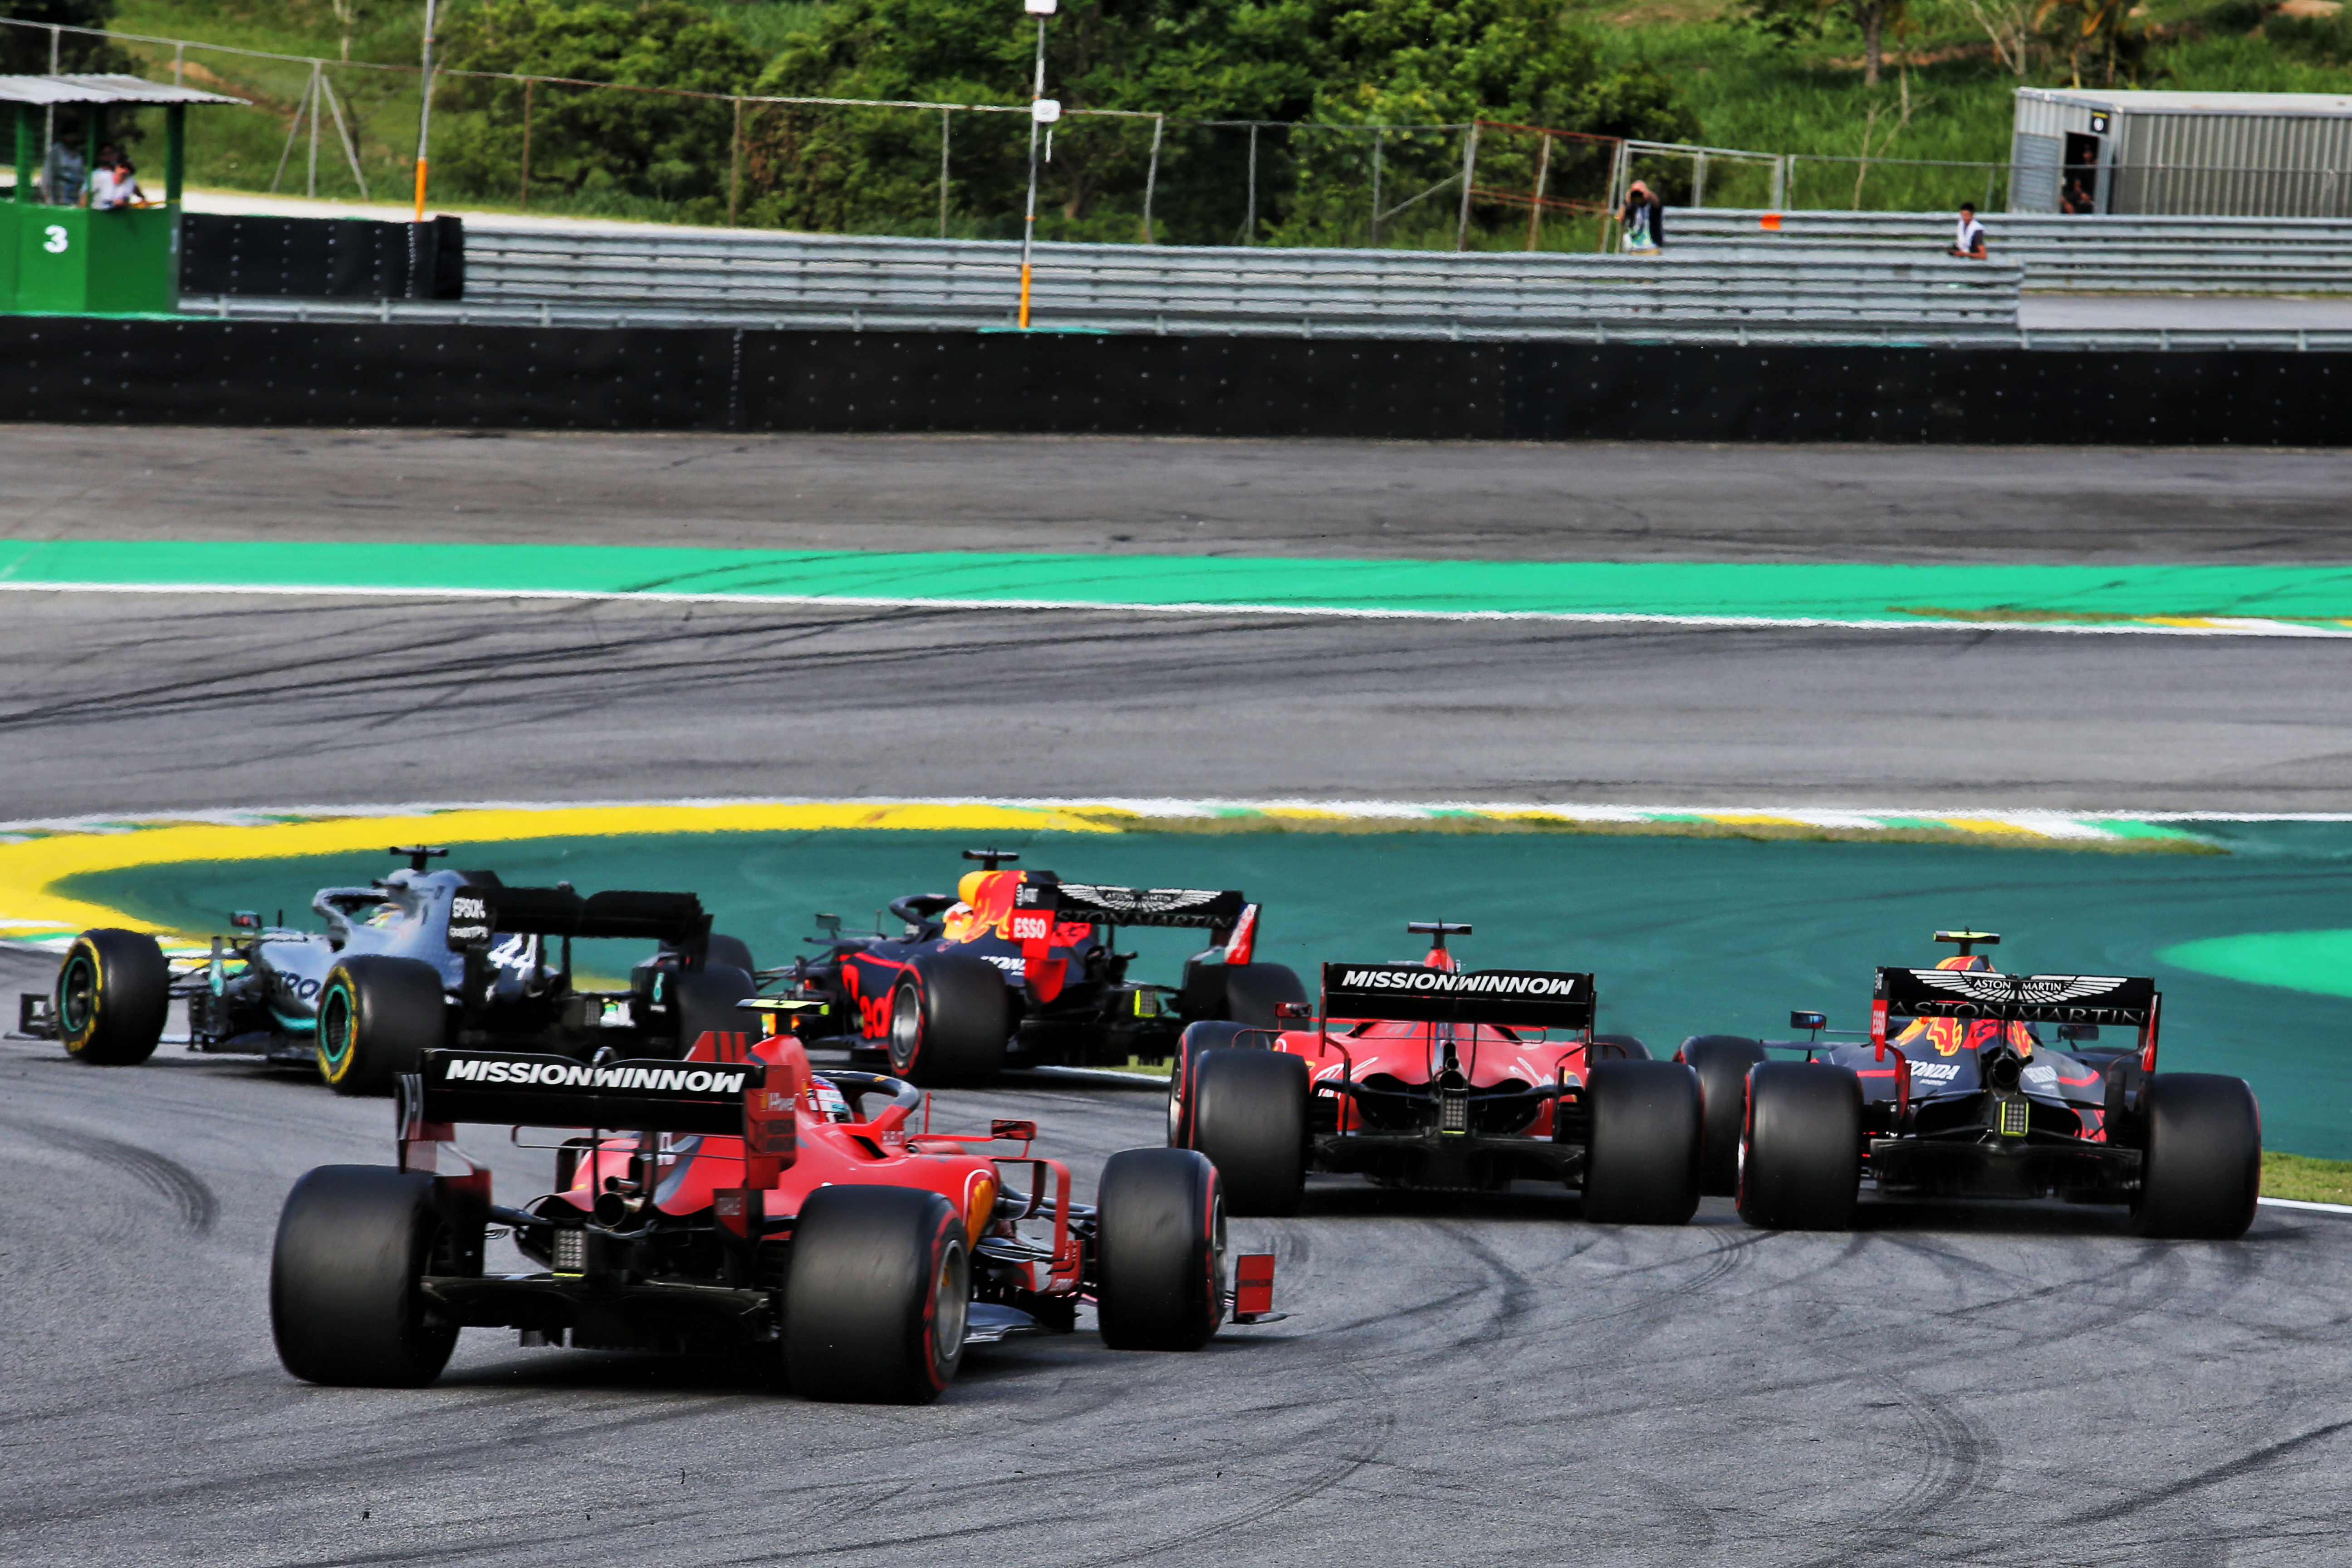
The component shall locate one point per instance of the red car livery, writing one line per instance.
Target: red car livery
(1427, 1075)
(809, 1223)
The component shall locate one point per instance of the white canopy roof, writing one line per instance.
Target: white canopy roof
(45, 90)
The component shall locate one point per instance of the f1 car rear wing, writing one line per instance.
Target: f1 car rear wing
(1530, 999)
(744, 1100)
(1202, 908)
(1987, 994)
(478, 914)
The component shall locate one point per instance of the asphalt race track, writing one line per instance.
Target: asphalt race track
(135, 702)
(1462, 1382)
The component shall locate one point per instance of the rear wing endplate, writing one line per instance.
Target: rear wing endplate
(478, 914)
(1203, 908)
(1529, 999)
(2130, 1001)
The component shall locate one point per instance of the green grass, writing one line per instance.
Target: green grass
(1748, 90)
(2306, 1180)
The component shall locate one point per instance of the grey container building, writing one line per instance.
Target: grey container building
(2235, 154)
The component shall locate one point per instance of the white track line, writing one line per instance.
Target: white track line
(2299, 1203)
(2234, 626)
(1401, 812)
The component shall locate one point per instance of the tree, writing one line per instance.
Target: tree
(1343, 62)
(25, 51)
(651, 144)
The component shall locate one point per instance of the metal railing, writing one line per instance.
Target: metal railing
(2057, 254)
(1829, 290)
(942, 284)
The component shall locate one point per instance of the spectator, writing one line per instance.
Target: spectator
(116, 184)
(1970, 240)
(61, 178)
(1644, 217)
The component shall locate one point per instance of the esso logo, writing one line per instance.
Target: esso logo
(1031, 925)
(468, 909)
(56, 242)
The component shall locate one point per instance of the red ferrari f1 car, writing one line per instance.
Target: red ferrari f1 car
(735, 1203)
(1953, 1093)
(1426, 1075)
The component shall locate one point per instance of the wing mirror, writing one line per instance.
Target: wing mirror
(1018, 1131)
(245, 919)
(1809, 1020)
(2078, 1031)
(1293, 1009)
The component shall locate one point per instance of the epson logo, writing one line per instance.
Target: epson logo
(1448, 984)
(573, 1075)
(467, 907)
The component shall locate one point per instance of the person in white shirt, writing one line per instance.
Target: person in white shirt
(116, 185)
(1969, 242)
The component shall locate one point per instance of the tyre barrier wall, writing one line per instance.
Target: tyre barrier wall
(93, 370)
(321, 259)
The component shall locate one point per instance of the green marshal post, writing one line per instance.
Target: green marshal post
(58, 256)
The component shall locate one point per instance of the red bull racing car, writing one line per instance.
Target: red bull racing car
(1429, 1076)
(737, 1203)
(1953, 1094)
(1020, 968)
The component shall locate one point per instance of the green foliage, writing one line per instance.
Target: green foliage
(1344, 63)
(25, 51)
(2323, 40)
(660, 146)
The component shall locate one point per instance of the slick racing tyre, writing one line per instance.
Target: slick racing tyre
(1160, 1252)
(1253, 992)
(1249, 1117)
(705, 1001)
(1618, 1048)
(377, 1017)
(732, 950)
(876, 1296)
(1209, 1035)
(2201, 1156)
(114, 990)
(1642, 1156)
(344, 1306)
(948, 1021)
(1721, 1062)
(1801, 1147)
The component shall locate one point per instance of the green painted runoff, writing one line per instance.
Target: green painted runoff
(1687, 935)
(1778, 591)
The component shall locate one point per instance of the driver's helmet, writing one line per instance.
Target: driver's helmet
(1949, 1036)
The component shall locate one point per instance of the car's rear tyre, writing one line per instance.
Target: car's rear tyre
(377, 1017)
(1642, 1153)
(344, 1305)
(1721, 1062)
(113, 991)
(732, 950)
(949, 1019)
(1254, 992)
(1159, 1250)
(1249, 1117)
(876, 1296)
(705, 999)
(1208, 1035)
(1617, 1048)
(1801, 1146)
(2201, 1156)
